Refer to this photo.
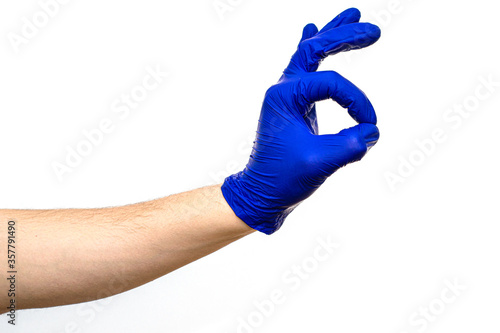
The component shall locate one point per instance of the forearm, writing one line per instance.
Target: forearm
(75, 255)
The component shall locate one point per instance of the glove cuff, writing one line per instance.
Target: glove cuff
(253, 208)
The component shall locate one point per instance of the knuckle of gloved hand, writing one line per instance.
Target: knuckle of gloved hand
(308, 49)
(306, 45)
(271, 91)
(331, 76)
(300, 92)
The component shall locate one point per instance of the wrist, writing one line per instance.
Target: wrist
(253, 205)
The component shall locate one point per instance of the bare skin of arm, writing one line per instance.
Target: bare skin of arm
(66, 256)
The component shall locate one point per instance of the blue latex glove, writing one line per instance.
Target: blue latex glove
(289, 160)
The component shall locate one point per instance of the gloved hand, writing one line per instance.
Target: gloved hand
(289, 160)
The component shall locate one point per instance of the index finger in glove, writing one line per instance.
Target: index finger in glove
(319, 86)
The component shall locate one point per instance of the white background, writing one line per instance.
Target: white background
(398, 246)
